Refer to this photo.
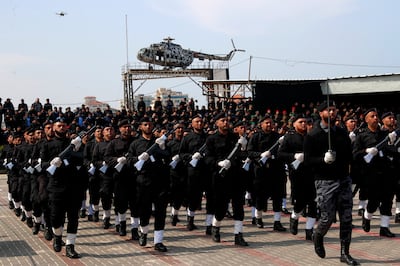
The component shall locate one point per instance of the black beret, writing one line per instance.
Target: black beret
(196, 116)
(296, 117)
(387, 114)
(324, 105)
(350, 117)
(29, 130)
(144, 119)
(47, 122)
(17, 134)
(238, 124)
(59, 119)
(370, 110)
(267, 116)
(123, 122)
(219, 116)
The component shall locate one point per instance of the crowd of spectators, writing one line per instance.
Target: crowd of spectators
(16, 119)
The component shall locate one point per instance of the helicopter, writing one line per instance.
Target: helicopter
(170, 55)
(61, 13)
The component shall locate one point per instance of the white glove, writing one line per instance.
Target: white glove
(175, 158)
(243, 143)
(392, 137)
(330, 157)
(144, 156)
(352, 136)
(373, 151)
(77, 142)
(226, 164)
(122, 160)
(299, 157)
(56, 162)
(161, 142)
(266, 154)
(196, 156)
(280, 140)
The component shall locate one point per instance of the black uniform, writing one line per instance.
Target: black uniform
(198, 178)
(93, 180)
(379, 173)
(152, 186)
(332, 182)
(124, 181)
(269, 178)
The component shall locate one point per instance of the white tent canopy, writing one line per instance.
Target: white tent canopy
(367, 84)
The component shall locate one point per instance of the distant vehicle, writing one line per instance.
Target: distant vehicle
(61, 13)
(170, 55)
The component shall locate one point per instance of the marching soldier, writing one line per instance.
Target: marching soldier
(228, 184)
(372, 150)
(270, 177)
(178, 174)
(327, 151)
(105, 174)
(190, 151)
(6, 155)
(302, 182)
(65, 191)
(94, 178)
(124, 180)
(152, 182)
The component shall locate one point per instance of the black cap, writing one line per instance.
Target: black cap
(325, 105)
(267, 116)
(29, 130)
(144, 119)
(196, 116)
(296, 117)
(59, 119)
(387, 114)
(370, 110)
(219, 116)
(17, 134)
(123, 122)
(238, 124)
(350, 117)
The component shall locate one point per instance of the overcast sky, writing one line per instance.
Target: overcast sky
(81, 54)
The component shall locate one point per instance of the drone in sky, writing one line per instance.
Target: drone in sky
(61, 13)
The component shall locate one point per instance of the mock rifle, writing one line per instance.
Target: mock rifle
(67, 151)
(201, 150)
(119, 166)
(233, 152)
(139, 164)
(368, 157)
(263, 160)
(246, 165)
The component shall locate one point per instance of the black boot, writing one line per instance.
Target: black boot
(344, 254)
(57, 243)
(117, 227)
(90, 217)
(253, 221)
(216, 237)
(190, 225)
(71, 253)
(48, 233)
(17, 212)
(11, 204)
(309, 233)
(106, 223)
(397, 218)
(260, 223)
(366, 224)
(96, 216)
(239, 240)
(23, 217)
(134, 234)
(384, 231)
(160, 247)
(36, 228)
(361, 212)
(174, 220)
(143, 239)
(122, 229)
(29, 222)
(318, 240)
(278, 227)
(83, 213)
(294, 224)
(208, 230)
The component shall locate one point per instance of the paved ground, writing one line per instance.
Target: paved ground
(104, 247)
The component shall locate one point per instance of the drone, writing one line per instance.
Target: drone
(61, 13)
